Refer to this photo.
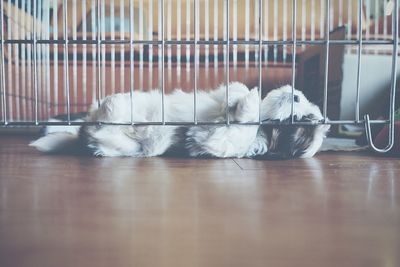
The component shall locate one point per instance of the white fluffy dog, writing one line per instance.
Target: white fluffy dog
(274, 141)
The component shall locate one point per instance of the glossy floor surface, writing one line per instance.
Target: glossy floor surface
(337, 209)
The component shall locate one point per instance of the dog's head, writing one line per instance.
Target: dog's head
(284, 140)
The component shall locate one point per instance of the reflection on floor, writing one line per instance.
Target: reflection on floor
(337, 209)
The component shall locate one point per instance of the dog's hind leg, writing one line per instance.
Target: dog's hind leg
(227, 141)
(110, 141)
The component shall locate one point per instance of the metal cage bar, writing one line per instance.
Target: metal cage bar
(196, 59)
(227, 77)
(35, 74)
(77, 123)
(93, 23)
(391, 137)
(74, 56)
(84, 54)
(122, 47)
(3, 76)
(199, 42)
(360, 43)
(55, 48)
(260, 59)
(98, 48)
(131, 58)
(162, 63)
(294, 51)
(327, 48)
(66, 73)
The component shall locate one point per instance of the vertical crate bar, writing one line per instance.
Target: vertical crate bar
(150, 37)
(3, 81)
(98, 48)
(74, 57)
(196, 59)
(35, 74)
(131, 51)
(55, 56)
(391, 137)
(29, 64)
(23, 64)
(122, 46)
(327, 44)
(179, 38)
(93, 23)
(275, 30)
(10, 32)
(246, 34)
(84, 53)
(141, 46)
(376, 19)
(235, 30)
(294, 48)
(162, 64)
(285, 26)
(260, 59)
(394, 72)
(103, 49)
(15, 57)
(40, 61)
(47, 55)
(227, 63)
(359, 44)
(266, 31)
(112, 32)
(303, 21)
(66, 71)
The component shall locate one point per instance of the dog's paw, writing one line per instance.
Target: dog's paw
(236, 92)
(247, 109)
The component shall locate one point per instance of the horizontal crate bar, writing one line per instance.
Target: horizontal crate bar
(211, 42)
(72, 123)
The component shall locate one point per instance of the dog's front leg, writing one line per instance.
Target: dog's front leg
(247, 108)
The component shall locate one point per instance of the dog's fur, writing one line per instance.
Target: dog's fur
(271, 141)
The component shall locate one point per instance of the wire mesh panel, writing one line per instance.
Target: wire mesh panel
(64, 56)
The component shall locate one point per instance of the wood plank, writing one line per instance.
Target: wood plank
(336, 209)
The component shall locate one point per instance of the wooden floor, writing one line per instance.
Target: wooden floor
(336, 209)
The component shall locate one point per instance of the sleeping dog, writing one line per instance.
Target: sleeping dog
(278, 140)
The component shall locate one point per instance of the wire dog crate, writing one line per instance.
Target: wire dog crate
(164, 40)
